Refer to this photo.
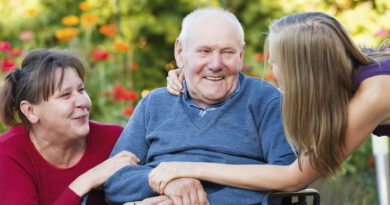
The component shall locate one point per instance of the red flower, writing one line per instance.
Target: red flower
(128, 111)
(371, 162)
(98, 55)
(5, 46)
(133, 66)
(6, 65)
(120, 94)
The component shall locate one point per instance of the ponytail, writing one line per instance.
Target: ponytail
(8, 104)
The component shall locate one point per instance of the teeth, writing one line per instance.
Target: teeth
(213, 78)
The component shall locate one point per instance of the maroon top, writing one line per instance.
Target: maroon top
(27, 178)
(364, 72)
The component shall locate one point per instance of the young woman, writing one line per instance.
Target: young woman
(56, 155)
(334, 97)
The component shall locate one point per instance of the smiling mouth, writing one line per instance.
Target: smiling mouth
(213, 78)
(81, 117)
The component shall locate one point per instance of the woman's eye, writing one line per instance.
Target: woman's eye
(65, 94)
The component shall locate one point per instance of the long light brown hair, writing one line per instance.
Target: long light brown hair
(318, 62)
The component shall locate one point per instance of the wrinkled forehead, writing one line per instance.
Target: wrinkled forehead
(208, 30)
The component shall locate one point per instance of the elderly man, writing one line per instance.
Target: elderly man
(223, 116)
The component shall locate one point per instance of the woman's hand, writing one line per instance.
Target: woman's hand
(96, 176)
(165, 172)
(174, 81)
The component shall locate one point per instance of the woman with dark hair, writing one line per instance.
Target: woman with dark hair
(334, 96)
(56, 155)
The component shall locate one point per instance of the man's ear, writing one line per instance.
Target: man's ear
(179, 54)
(242, 54)
(28, 111)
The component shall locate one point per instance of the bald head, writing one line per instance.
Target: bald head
(209, 17)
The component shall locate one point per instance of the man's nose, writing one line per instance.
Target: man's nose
(215, 63)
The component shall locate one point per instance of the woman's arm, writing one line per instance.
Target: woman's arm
(367, 109)
(255, 177)
(96, 176)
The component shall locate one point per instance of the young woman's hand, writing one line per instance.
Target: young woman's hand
(174, 81)
(165, 172)
(96, 176)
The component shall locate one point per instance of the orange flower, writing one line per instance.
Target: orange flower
(66, 34)
(15, 52)
(31, 12)
(269, 78)
(70, 20)
(255, 75)
(134, 66)
(258, 57)
(88, 20)
(85, 6)
(108, 30)
(128, 111)
(121, 46)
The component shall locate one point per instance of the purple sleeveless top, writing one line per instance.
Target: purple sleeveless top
(364, 72)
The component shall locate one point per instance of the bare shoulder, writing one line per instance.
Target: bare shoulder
(374, 94)
(368, 108)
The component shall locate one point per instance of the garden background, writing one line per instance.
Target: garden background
(128, 47)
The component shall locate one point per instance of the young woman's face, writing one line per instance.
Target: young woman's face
(272, 61)
(66, 112)
(275, 71)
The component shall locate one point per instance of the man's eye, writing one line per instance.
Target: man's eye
(228, 52)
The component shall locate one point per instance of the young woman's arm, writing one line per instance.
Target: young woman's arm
(368, 109)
